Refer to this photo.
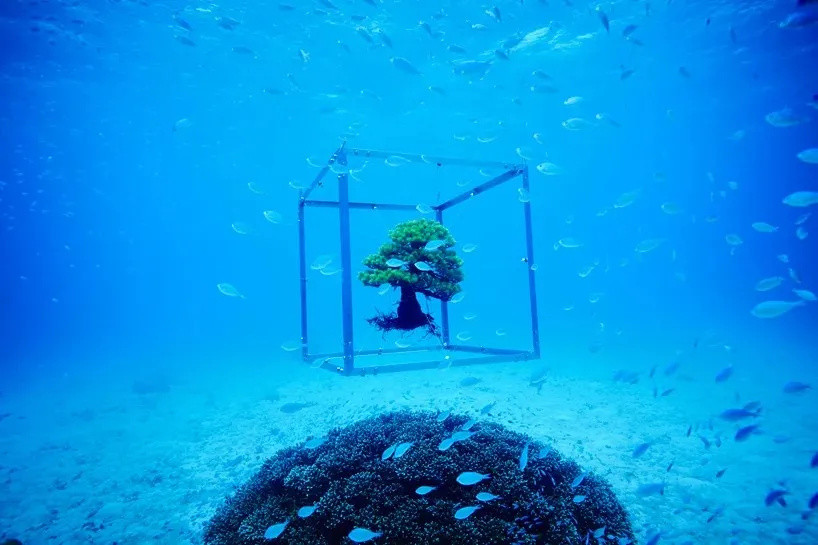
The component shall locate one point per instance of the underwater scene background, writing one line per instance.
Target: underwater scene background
(152, 159)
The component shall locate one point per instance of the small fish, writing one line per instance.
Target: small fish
(802, 199)
(395, 263)
(724, 374)
(306, 511)
(524, 458)
(654, 539)
(442, 416)
(806, 295)
(275, 530)
(799, 19)
(578, 479)
(651, 489)
(423, 266)
(579, 498)
(814, 461)
(774, 309)
(795, 387)
(648, 245)
(229, 290)
(734, 415)
(774, 496)
(446, 444)
(469, 381)
(433, 245)
(227, 23)
(465, 512)
(388, 452)
(362, 535)
(767, 284)
(763, 227)
(640, 450)
(720, 472)
(684, 72)
(669, 466)
(744, 433)
(469, 478)
(182, 23)
(404, 65)
(423, 490)
(813, 501)
(402, 448)
(487, 409)
(628, 30)
(486, 496)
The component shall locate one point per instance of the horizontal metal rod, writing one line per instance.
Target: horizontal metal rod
(486, 349)
(376, 351)
(429, 159)
(363, 205)
(429, 364)
(494, 182)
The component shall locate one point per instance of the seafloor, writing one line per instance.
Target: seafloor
(101, 458)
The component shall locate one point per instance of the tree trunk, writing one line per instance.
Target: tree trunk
(410, 315)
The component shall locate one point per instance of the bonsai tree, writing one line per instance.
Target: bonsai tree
(418, 259)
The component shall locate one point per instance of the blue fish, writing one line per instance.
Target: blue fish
(423, 490)
(306, 511)
(744, 433)
(388, 452)
(814, 461)
(775, 495)
(465, 512)
(468, 478)
(795, 387)
(401, 449)
(654, 539)
(579, 498)
(443, 416)
(724, 374)
(578, 480)
(486, 496)
(734, 415)
(362, 535)
(446, 444)
(524, 458)
(640, 450)
(275, 530)
(799, 19)
(462, 435)
(813, 501)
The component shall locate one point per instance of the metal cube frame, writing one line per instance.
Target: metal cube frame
(345, 206)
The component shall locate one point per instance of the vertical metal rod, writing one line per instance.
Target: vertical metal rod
(529, 254)
(346, 262)
(302, 270)
(444, 306)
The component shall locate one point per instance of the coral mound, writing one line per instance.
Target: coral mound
(547, 502)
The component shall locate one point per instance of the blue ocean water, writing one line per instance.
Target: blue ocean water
(153, 151)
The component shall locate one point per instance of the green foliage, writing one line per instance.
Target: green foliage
(407, 243)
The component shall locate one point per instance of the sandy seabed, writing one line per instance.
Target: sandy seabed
(98, 461)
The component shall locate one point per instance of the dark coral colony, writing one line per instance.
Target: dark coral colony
(421, 478)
